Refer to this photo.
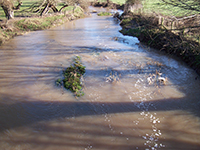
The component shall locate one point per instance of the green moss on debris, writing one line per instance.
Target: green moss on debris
(73, 77)
(104, 14)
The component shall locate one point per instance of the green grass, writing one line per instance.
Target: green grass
(168, 10)
(26, 4)
(119, 1)
(104, 14)
(159, 7)
(33, 24)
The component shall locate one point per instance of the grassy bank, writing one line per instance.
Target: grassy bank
(21, 25)
(25, 20)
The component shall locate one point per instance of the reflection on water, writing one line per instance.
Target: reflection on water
(126, 105)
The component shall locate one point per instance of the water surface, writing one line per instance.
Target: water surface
(125, 107)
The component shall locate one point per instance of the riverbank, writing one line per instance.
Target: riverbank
(20, 25)
(157, 35)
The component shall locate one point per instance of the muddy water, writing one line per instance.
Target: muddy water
(125, 106)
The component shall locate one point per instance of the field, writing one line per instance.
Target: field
(168, 10)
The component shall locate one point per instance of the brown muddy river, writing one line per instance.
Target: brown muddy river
(135, 98)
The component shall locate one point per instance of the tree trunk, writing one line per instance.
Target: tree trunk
(9, 8)
(55, 10)
(45, 9)
(8, 12)
(63, 7)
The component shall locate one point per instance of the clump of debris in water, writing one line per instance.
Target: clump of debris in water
(73, 77)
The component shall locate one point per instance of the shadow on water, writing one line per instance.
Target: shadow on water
(59, 51)
(40, 110)
(29, 112)
(32, 113)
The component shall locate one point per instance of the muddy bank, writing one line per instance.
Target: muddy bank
(150, 32)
